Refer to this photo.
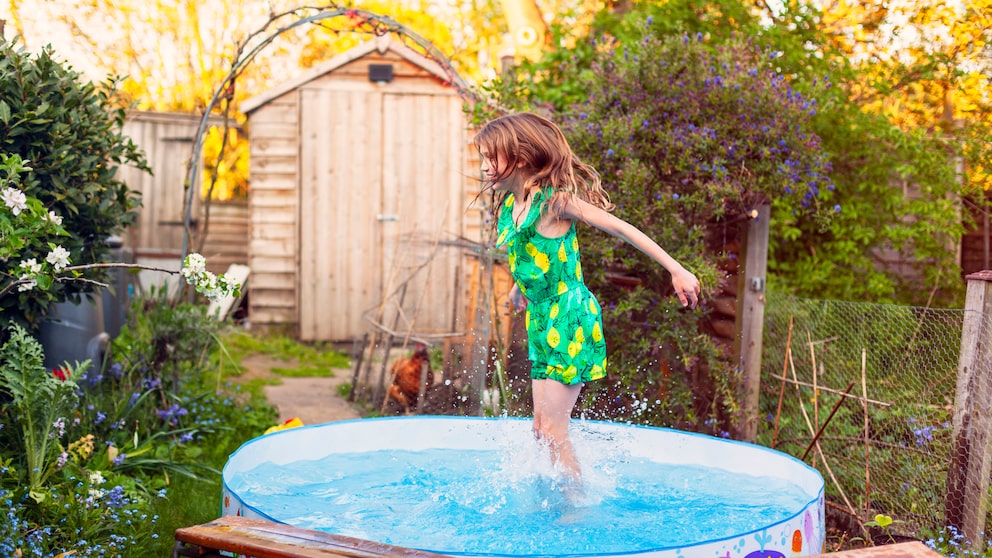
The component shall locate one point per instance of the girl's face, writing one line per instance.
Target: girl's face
(494, 168)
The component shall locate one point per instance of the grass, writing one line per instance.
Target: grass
(316, 360)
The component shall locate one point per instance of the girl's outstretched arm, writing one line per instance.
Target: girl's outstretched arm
(686, 284)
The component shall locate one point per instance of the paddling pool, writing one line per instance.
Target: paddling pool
(468, 486)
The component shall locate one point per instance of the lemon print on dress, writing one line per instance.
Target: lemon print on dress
(568, 376)
(573, 348)
(597, 372)
(562, 254)
(531, 249)
(575, 243)
(562, 287)
(592, 307)
(580, 335)
(578, 271)
(554, 311)
(554, 338)
(597, 334)
(502, 236)
(541, 260)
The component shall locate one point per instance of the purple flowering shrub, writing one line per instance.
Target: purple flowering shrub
(689, 139)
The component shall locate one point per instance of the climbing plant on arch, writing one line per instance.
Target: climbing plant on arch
(350, 20)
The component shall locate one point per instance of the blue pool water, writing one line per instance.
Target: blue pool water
(503, 499)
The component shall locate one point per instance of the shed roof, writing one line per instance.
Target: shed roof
(381, 44)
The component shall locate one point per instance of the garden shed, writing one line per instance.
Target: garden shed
(362, 178)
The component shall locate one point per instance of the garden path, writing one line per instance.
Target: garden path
(312, 400)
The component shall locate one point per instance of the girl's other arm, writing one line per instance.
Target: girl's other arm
(686, 284)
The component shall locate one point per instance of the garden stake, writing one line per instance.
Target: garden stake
(824, 425)
(864, 404)
(359, 356)
(781, 390)
(816, 391)
(802, 407)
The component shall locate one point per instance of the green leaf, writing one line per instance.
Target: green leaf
(4, 112)
(883, 520)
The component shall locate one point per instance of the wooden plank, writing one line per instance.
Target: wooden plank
(275, 164)
(282, 110)
(273, 217)
(264, 539)
(913, 549)
(264, 181)
(272, 264)
(271, 280)
(275, 298)
(752, 320)
(273, 231)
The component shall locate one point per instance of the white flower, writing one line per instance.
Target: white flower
(96, 477)
(193, 266)
(31, 266)
(15, 200)
(54, 218)
(228, 284)
(59, 258)
(28, 284)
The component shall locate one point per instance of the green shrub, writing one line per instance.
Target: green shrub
(69, 133)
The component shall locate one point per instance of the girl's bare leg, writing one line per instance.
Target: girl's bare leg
(553, 402)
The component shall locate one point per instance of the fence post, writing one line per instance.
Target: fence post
(751, 322)
(966, 500)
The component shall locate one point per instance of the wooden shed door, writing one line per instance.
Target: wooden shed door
(380, 181)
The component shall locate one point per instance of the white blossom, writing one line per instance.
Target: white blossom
(193, 266)
(229, 284)
(28, 283)
(31, 266)
(15, 200)
(59, 258)
(52, 217)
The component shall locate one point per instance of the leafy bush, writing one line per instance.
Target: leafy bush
(114, 443)
(68, 132)
(883, 244)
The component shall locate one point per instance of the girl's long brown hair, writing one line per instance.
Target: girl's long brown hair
(539, 144)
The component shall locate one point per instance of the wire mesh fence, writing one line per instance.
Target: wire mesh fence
(865, 393)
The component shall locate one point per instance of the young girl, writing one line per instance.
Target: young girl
(540, 188)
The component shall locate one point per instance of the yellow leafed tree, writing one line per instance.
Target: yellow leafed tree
(926, 66)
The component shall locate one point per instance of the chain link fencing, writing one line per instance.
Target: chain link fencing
(865, 394)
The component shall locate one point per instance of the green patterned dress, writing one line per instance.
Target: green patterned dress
(564, 320)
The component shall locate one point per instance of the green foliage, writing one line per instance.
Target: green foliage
(36, 400)
(883, 240)
(119, 439)
(69, 132)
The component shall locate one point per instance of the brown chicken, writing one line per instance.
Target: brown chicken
(406, 374)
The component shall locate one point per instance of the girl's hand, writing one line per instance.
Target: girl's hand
(518, 301)
(686, 287)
